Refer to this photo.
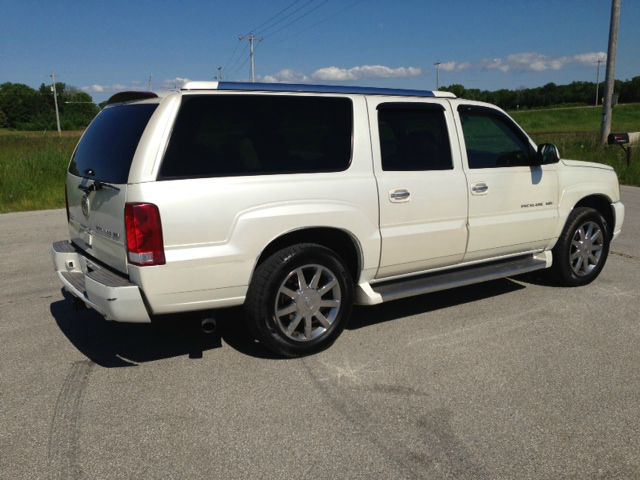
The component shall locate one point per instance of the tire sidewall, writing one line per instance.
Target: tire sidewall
(579, 217)
(287, 260)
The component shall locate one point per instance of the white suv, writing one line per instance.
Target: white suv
(297, 201)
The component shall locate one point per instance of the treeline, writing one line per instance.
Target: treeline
(576, 93)
(24, 108)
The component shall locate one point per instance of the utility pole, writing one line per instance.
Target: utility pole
(437, 65)
(252, 40)
(220, 76)
(149, 83)
(598, 79)
(55, 101)
(611, 71)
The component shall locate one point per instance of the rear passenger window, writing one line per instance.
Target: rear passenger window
(413, 137)
(227, 135)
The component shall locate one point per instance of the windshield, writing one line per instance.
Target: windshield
(107, 147)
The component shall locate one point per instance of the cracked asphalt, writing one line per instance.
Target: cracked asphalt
(509, 379)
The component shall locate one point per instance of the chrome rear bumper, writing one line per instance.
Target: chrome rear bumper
(109, 293)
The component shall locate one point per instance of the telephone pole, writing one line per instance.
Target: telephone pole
(252, 41)
(55, 101)
(598, 80)
(220, 76)
(611, 71)
(437, 65)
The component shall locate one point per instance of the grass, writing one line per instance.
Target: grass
(33, 164)
(626, 118)
(32, 169)
(576, 132)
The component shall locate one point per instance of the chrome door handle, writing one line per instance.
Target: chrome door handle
(479, 188)
(400, 195)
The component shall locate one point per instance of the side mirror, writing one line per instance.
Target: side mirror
(547, 153)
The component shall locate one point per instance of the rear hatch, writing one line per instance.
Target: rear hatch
(97, 181)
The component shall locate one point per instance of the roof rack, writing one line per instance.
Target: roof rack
(308, 88)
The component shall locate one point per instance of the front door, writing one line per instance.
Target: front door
(513, 203)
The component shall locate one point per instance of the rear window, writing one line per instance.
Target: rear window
(107, 147)
(229, 135)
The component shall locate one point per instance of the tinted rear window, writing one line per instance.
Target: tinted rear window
(226, 135)
(108, 145)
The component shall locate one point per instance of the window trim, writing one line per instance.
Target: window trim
(161, 178)
(515, 128)
(414, 107)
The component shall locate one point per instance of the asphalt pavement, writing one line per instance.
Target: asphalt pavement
(509, 379)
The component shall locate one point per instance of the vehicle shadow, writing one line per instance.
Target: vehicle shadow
(366, 316)
(113, 344)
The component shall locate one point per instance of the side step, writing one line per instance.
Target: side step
(408, 287)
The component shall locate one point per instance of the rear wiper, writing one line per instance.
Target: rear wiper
(97, 185)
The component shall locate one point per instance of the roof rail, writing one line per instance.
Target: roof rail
(308, 88)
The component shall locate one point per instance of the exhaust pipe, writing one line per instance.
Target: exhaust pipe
(208, 325)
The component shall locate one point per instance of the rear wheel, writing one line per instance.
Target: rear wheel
(299, 300)
(582, 249)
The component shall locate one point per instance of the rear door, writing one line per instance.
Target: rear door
(421, 184)
(97, 181)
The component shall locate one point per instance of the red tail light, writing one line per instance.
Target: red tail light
(144, 234)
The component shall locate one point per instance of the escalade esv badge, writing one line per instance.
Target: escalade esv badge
(84, 204)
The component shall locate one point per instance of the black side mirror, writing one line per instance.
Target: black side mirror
(547, 153)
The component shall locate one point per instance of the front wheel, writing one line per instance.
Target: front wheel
(582, 249)
(299, 300)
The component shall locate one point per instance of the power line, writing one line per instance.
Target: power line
(228, 62)
(255, 29)
(286, 17)
(300, 17)
(238, 59)
(320, 22)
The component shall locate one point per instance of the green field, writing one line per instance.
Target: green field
(32, 170)
(576, 132)
(33, 164)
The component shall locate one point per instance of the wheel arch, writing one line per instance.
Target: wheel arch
(602, 204)
(343, 243)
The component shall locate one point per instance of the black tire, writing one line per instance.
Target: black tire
(572, 251)
(272, 306)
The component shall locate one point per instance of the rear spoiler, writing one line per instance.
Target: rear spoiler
(122, 97)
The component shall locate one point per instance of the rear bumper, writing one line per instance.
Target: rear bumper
(109, 293)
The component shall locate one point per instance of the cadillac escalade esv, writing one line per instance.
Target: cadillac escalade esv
(297, 201)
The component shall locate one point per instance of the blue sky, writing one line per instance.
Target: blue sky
(108, 46)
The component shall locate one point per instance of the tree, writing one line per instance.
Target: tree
(20, 103)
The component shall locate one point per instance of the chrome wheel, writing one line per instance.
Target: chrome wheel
(307, 302)
(586, 248)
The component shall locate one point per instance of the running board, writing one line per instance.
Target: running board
(408, 287)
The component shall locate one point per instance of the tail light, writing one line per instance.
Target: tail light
(145, 245)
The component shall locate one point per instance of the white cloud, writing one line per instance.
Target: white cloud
(95, 88)
(175, 83)
(336, 74)
(526, 61)
(286, 76)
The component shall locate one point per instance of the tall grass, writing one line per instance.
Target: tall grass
(32, 170)
(586, 146)
(626, 118)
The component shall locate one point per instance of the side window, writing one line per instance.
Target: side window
(233, 135)
(413, 137)
(492, 140)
